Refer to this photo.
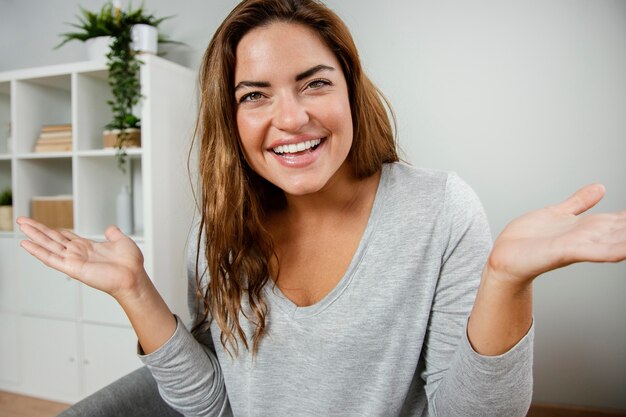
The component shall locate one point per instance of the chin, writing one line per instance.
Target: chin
(301, 189)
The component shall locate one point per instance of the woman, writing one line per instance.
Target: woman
(329, 279)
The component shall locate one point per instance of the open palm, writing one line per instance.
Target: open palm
(557, 236)
(110, 266)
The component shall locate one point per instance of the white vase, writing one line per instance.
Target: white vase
(145, 38)
(125, 211)
(98, 47)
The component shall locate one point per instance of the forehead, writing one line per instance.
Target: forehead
(280, 49)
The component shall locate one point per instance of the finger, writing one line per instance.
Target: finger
(41, 238)
(615, 252)
(51, 233)
(583, 199)
(113, 234)
(47, 257)
(69, 234)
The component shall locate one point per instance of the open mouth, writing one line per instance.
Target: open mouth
(296, 149)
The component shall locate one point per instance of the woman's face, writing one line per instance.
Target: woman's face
(293, 110)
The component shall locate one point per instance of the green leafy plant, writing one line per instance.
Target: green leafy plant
(124, 67)
(110, 21)
(91, 25)
(122, 62)
(6, 197)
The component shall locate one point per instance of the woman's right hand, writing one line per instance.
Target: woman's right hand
(114, 266)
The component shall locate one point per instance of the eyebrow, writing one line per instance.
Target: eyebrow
(312, 71)
(305, 74)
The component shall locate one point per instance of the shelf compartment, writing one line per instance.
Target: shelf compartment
(38, 102)
(96, 208)
(5, 116)
(92, 92)
(5, 174)
(40, 177)
(5, 182)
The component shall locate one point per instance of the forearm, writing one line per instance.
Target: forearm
(148, 313)
(189, 375)
(501, 315)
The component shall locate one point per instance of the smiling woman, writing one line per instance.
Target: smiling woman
(302, 98)
(327, 278)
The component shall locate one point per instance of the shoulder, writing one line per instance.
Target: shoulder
(401, 174)
(426, 196)
(426, 187)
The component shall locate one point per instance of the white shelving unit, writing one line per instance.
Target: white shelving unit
(58, 338)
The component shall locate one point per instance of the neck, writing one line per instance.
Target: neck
(343, 194)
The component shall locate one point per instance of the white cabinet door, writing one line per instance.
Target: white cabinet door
(101, 307)
(9, 352)
(8, 275)
(110, 353)
(44, 290)
(50, 358)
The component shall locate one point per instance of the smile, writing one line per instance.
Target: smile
(297, 147)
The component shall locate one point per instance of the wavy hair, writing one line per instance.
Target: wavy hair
(234, 200)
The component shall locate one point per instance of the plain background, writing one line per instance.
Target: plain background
(526, 100)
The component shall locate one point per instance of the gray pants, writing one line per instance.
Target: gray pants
(135, 395)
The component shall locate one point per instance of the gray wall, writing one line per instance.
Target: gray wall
(525, 99)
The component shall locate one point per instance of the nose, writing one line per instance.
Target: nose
(290, 114)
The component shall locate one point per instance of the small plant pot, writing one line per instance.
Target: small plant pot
(145, 38)
(6, 218)
(98, 47)
(133, 138)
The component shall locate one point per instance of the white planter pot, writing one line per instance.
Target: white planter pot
(145, 38)
(98, 48)
(6, 218)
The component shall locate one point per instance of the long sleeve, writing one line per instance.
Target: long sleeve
(187, 369)
(460, 382)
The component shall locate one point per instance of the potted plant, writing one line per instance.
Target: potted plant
(6, 210)
(95, 29)
(123, 64)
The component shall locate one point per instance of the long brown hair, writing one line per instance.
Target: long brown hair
(234, 200)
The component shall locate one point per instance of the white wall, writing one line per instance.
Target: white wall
(525, 99)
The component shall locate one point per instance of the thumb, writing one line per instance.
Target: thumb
(113, 233)
(583, 199)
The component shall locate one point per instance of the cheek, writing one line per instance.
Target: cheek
(248, 128)
(339, 118)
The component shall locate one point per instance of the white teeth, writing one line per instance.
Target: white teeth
(297, 147)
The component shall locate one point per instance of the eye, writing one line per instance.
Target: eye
(251, 97)
(318, 83)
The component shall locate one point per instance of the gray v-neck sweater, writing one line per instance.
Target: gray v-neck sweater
(389, 340)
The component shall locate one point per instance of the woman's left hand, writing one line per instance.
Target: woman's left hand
(538, 242)
(558, 235)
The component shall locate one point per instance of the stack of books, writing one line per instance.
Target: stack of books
(54, 138)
